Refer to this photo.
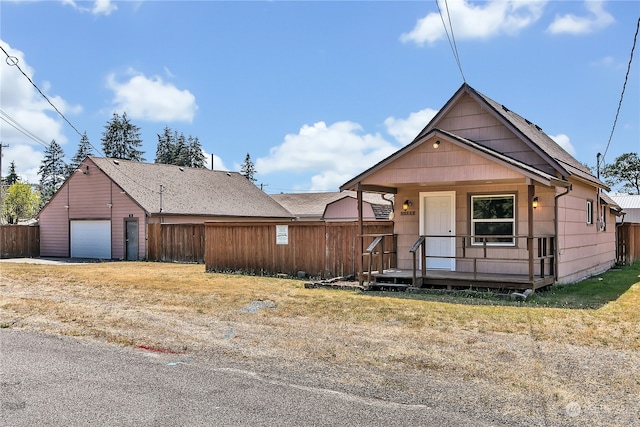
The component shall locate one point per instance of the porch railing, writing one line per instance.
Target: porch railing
(377, 250)
(540, 249)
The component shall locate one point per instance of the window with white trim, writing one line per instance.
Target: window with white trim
(493, 216)
(589, 212)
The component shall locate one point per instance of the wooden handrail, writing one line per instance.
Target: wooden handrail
(371, 251)
(545, 251)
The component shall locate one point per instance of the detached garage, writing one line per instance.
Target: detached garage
(91, 239)
(104, 209)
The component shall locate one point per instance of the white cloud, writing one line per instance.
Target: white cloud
(597, 19)
(218, 164)
(27, 122)
(476, 21)
(563, 141)
(150, 98)
(405, 130)
(334, 153)
(100, 7)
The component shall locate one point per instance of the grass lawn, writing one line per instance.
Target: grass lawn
(571, 344)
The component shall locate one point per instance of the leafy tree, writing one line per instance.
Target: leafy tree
(624, 170)
(52, 170)
(248, 169)
(121, 139)
(13, 177)
(84, 149)
(20, 202)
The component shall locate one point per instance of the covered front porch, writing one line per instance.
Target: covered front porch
(474, 267)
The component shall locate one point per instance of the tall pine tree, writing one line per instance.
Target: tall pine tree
(13, 177)
(165, 148)
(196, 156)
(248, 169)
(84, 149)
(121, 139)
(175, 149)
(52, 171)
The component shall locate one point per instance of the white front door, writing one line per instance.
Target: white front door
(437, 211)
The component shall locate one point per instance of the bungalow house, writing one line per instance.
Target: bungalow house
(335, 206)
(103, 209)
(486, 198)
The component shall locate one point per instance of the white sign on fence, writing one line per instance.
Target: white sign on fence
(282, 234)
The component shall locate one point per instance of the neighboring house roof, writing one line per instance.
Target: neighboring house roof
(173, 190)
(560, 161)
(627, 201)
(630, 206)
(312, 205)
(613, 204)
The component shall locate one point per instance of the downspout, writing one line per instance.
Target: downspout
(555, 229)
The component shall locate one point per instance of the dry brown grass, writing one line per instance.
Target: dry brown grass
(519, 362)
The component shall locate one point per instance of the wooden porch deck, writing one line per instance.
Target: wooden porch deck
(455, 279)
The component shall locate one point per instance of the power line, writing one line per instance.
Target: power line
(13, 61)
(452, 44)
(624, 86)
(17, 126)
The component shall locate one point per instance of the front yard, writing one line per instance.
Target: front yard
(566, 357)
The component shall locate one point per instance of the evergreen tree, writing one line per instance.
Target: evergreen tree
(13, 177)
(121, 139)
(181, 157)
(52, 170)
(20, 202)
(175, 149)
(248, 169)
(196, 155)
(84, 149)
(165, 148)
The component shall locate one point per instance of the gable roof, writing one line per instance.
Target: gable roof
(173, 190)
(559, 160)
(314, 204)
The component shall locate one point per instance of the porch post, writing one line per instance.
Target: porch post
(531, 194)
(360, 263)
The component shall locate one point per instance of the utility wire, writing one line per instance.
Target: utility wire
(452, 44)
(624, 86)
(17, 126)
(13, 61)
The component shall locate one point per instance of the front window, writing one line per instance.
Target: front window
(493, 216)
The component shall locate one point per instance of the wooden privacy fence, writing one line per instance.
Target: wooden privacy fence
(175, 242)
(19, 241)
(628, 243)
(320, 249)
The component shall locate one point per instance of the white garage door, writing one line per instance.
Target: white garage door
(91, 239)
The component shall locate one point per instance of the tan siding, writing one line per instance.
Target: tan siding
(583, 250)
(469, 120)
(447, 163)
(407, 226)
(54, 226)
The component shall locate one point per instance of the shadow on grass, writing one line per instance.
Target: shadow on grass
(590, 294)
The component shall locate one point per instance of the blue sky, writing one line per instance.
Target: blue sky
(315, 92)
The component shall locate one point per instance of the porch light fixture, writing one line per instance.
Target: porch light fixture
(436, 144)
(534, 203)
(406, 204)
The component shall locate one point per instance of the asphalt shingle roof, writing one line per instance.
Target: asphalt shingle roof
(190, 191)
(314, 204)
